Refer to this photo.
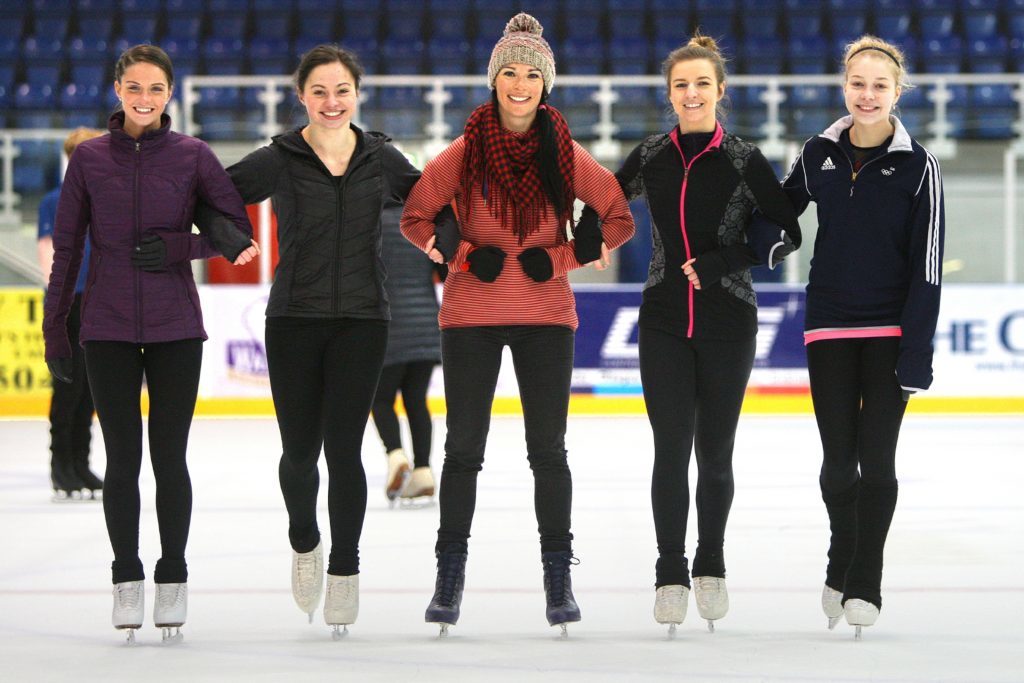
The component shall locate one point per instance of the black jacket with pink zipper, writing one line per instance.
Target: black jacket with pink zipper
(703, 210)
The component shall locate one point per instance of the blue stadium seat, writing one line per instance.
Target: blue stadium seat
(223, 55)
(43, 8)
(184, 53)
(81, 96)
(942, 54)
(270, 56)
(448, 55)
(184, 26)
(228, 19)
(808, 55)
(89, 73)
(763, 56)
(1015, 18)
(849, 17)
(481, 55)
(403, 56)
(141, 26)
(629, 56)
(670, 19)
(318, 26)
(980, 18)
(935, 18)
(276, 25)
(450, 19)
(99, 27)
(11, 27)
(42, 50)
(365, 49)
(362, 22)
(635, 255)
(582, 56)
(581, 19)
(35, 95)
(94, 8)
(406, 19)
(42, 74)
(152, 7)
(892, 19)
(52, 26)
(492, 15)
(994, 111)
(10, 50)
(804, 17)
(88, 50)
(627, 19)
(717, 25)
(759, 19)
(987, 55)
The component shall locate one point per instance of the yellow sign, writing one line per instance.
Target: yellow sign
(23, 372)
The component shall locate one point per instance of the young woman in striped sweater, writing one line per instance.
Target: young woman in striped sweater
(872, 306)
(514, 175)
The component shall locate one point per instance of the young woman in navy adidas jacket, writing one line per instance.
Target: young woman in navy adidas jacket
(699, 315)
(872, 304)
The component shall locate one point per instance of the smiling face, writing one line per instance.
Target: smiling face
(870, 89)
(519, 88)
(330, 96)
(144, 93)
(694, 92)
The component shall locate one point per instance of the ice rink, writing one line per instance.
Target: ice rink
(954, 596)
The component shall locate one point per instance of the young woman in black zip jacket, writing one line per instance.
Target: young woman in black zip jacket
(872, 306)
(327, 317)
(699, 315)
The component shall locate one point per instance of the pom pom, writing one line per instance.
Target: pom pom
(523, 23)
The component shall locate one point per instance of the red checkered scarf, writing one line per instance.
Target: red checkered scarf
(504, 164)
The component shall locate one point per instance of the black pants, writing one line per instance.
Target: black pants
(413, 379)
(323, 376)
(694, 391)
(171, 370)
(71, 406)
(542, 355)
(859, 409)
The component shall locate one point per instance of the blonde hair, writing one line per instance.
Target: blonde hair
(78, 136)
(699, 47)
(884, 50)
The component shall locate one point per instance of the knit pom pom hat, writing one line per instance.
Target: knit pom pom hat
(521, 44)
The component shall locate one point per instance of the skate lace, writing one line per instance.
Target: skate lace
(170, 597)
(556, 576)
(339, 590)
(448, 575)
(128, 596)
(305, 568)
(667, 596)
(708, 588)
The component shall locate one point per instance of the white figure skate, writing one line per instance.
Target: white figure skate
(308, 579)
(398, 475)
(832, 605)
(860, 613)
(341, 606)
(129, 607)
(670, 606)
(712, 598)
(170, 609)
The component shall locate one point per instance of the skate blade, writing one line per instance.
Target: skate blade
(671, 631)
(442, 629)
(396, 486)
(76, 496)
(857, 633)
(417, 502)
(832, 621)
(171, 635)
(130, 635)
(340, 631)
(711, 625)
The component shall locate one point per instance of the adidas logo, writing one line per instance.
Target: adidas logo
(828, 165)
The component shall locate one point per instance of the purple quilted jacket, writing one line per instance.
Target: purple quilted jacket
(118, 189)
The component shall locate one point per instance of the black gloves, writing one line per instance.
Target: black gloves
(486, 263)
(537, 264)
(151, 254)
(446, 233)
(587, 237)
(61, 369)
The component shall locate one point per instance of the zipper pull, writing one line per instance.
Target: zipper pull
(851, 190)
(686, 171)
(137, 146)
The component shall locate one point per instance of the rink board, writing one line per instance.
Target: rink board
(979, 354)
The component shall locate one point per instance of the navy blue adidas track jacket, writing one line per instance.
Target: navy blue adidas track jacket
(877, 258)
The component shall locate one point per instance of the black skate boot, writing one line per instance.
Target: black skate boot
(92, 484)
(562, 608)
(67, 486)
(451, 577)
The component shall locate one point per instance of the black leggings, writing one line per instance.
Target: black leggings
(413, 379)
(694, 391)
(171, 370)
(71, 407)
(323, 375)
(542, 355)
(859, 408)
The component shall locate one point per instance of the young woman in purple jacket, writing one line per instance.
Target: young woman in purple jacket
(135, 190)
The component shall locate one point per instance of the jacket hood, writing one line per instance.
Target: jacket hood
(900, 138)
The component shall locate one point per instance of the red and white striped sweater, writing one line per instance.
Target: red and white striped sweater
(512, 299)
